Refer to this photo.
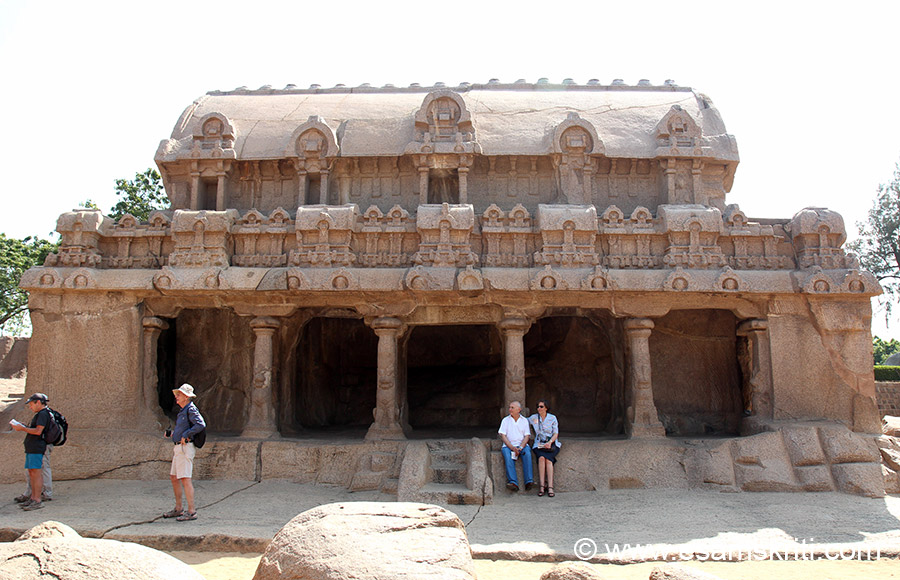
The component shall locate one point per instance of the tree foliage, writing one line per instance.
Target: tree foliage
(881, 349)
(140, 196)
(16, 256)
(878, 245)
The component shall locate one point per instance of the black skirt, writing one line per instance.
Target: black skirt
(549, 454)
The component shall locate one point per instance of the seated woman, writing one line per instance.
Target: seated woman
(546, 444)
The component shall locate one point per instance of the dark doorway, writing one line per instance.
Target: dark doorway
(696, 373)
(571, 362)
(454, 376)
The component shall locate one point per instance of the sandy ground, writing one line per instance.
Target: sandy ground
(234, 566)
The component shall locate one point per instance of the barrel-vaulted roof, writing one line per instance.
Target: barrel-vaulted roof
(506, 119)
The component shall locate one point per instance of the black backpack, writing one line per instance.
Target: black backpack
(199, 438)
(57, 429)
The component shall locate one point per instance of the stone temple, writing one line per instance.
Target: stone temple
(358, 280)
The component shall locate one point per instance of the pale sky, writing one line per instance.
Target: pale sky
(809, 90)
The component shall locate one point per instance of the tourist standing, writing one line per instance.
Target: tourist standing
(35, 446)
(515, 433)
(188, 423)
(546, 444)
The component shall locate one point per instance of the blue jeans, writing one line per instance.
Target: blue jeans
(527, 467)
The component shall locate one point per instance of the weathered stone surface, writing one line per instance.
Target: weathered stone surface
(572, 571)
(890, 451)
(74, 558)
(368, 540)
(49, 529)
(891, 425)
(891, 479)
(13, 357)
(859, 478)
(814, 477)
(679, 572)
(803, 446)
(843, 446)
(761, 463)
(709, 465)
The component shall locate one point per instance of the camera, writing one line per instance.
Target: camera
(168, 432)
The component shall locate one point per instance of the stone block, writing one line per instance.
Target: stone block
(890, 425)
(709, 465)
(680, 572)
(843, 446)
(413, 470)
(891, 479)
(803, 446)
(640, 463)
(761, 463)
(889, 447)
(859, 478)
(814, 477)
(571, 571)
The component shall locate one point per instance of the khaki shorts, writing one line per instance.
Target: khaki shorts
(183, 461)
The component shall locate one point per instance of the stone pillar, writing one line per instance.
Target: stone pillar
(301, 188)
(261, 422)
(697, 176)
(669, 172)
(323, 187)
(642, 420)
(423, 184)
(760, 367)
(220, 192)
(513, 331)
(463, 173)
(387, 413)
(195, 189)
(153, 327)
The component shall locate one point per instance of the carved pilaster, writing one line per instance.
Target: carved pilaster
(513, 331)
(759, 361)
(195, 187)
(423, 184)
(220, 192)
(261, 422)
(388, 423)
(642, 420)
(153, 327)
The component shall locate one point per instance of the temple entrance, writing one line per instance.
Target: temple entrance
(696, 373)
(575, 363)
(454, 376)
(331, 375)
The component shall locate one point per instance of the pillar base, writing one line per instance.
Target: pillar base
(648, 431)
(753, 425)
(393, 433)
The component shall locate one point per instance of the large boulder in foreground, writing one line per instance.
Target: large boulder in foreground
(370, 541)
(53, 550)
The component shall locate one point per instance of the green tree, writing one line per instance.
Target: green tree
(881, 349)
(16, 256)
(140, 196)
(878, 245)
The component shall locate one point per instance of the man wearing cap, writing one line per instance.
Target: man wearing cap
(35, 446)
(188, 423)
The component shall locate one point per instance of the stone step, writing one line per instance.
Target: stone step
(440, 446)
(449, 494)
(450, 457)
(390, 485)
(448, 474)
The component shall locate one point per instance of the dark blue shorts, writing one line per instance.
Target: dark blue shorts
(34, 460)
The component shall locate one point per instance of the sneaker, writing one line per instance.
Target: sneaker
(45, 497)
(529, 485)
(23, 498)
(34, 505)
(512, 486)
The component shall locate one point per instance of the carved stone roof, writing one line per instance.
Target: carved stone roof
(506, 119)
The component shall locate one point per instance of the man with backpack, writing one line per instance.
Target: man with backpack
(187, 425)
(35, 448)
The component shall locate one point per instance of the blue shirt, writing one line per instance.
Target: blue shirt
(188, 423)
(544, 429)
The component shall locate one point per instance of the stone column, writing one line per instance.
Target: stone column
(153, 327)
(195, 189)
(669, 172)
(463, 173)
(261, 422)
(323, 187)
(642, 420)
(760, 366)
(301, 187)
(387, 414)
(423, 184)
(513, 331)
(220, 192)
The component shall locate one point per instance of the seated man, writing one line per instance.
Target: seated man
(514, 433)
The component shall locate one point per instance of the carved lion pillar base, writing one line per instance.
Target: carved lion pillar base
(513, 331)
(642, 419)
(261, 422)
(388, 423)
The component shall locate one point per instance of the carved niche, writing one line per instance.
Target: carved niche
(384, 237)
(506, 237)
(81, 231)
(568, 234)
(443, 148)
(693, 234)
(214, 138)
(202, 238)
(817, 235)
(324, 234)
(444, 236)
(313, 147)
(573, 149)
(259, 240)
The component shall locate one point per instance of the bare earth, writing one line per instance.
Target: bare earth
(235, 566)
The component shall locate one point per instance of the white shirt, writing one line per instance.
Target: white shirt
(515, 430)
